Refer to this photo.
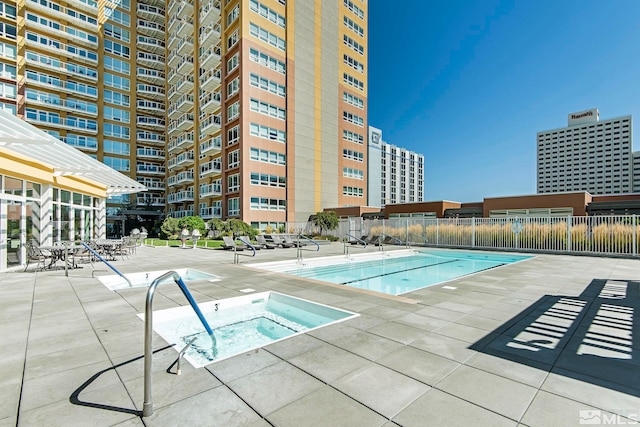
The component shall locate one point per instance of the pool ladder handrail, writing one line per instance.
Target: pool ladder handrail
(347, 244)
(236, 253)
(381, 241)
(415, 235)
(97, 255)
(147, 406)
(299, 248)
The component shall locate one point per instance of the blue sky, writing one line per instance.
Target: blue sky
(470, 83)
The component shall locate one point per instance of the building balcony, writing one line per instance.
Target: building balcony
(150, 169)
(185, 84)
(91, 7)
(182, 160)
(184, 28)
(210, 80)
(150, 107)
(173, 76)
(184, 9)
(211, 168)
(155, 123)
(209, 212)
(157, 3)
(210, 147)
(150, 29)
(173, 59)
(209, 12)
(150, 91)
(211, 190)
(181, 213)
(64, 124)
(62, 14)
(184, 104)
(180, 196)
(185, 177)
(185, 46)
(151, 138)
(210, 102)
(209, 35)
(186, 66)
(149, 44)
(150, 13)
(150, 153)
(182, 123)
(152, 184)
(147, 75)
(70, 106)
(210, 124)
(62, 49)
(180, 142)
(210, 57)
(151, 60)
(155, 201)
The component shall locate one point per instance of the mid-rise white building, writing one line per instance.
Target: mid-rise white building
(395, 175)
(588, 155)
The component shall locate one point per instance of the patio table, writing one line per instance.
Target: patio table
(61, 253)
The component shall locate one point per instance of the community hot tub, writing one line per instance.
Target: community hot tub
(145, 278)
(241, 324)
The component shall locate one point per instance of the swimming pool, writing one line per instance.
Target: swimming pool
(241, 324)
(396, 272)
(145, 278)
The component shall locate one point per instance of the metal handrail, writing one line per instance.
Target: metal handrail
(147, 406)
(184, 349)
(236, 254)
(345, 249)
(416, 235)
(299, 248)
(381, 240)
(97, 255)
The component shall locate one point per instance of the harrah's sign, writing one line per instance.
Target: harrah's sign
(585, 116)
(581, 115)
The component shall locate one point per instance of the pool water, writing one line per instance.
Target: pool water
(145, 278)
(241, 324)
(402, 272)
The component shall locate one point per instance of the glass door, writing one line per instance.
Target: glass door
(15, 252)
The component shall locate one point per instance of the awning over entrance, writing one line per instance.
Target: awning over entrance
(25, 140)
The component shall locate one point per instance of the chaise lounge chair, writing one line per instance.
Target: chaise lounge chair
(248, 244)
(230, 243)
(262, 242)
(372, 239)
(287, 239)
(278, 241)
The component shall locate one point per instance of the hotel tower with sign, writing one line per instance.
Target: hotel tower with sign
(589, 154)
(249, 109)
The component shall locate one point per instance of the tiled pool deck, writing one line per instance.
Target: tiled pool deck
(538, 343)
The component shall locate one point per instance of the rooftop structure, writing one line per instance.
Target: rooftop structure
(587, 155)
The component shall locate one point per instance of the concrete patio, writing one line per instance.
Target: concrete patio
(545, 342)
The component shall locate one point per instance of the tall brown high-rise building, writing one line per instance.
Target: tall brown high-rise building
(229, 109)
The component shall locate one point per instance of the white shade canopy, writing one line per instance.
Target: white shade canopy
(24, 139)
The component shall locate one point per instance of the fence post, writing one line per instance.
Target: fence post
(437, 231)
(406, 240)
(569, 220)
(473, 232)
(634, 234)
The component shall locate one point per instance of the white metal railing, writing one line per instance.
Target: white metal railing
(597, 235)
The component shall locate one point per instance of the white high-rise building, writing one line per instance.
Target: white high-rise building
(588, 155)
(395, 175)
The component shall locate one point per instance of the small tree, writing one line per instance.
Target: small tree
(170, 228)
(216, 225)
(193, 222)
(326, 220)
